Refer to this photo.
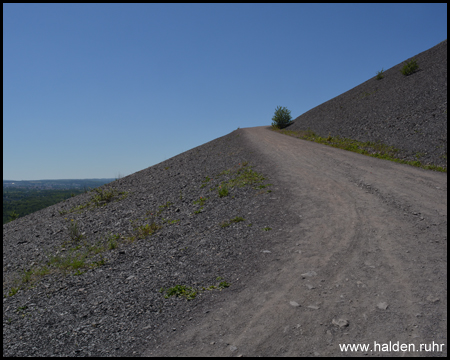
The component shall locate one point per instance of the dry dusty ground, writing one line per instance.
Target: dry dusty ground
(364, 261)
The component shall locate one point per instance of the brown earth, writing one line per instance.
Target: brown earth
(363, 260)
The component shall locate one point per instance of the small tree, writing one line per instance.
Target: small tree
(12, 216)
(282, 117)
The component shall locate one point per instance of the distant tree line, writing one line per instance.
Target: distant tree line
(21, 202)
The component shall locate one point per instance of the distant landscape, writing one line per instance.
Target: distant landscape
(24, 197)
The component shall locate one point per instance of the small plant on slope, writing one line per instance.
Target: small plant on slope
(410, 67)
(380, 74)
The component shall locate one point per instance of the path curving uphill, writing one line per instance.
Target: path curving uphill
(359, 257)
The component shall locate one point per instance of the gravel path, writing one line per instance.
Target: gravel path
(407, 112)
(362, 259)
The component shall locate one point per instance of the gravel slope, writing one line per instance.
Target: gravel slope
(408, 112)
(117, 308)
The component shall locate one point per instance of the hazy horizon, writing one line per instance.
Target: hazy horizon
(59, 179)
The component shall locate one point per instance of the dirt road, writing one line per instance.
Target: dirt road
(363, 261)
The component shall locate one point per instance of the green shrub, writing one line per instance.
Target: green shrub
(13, 216)
(410, 67)
(281, 118)
(380, 74)
(223, 191)
(180, 291)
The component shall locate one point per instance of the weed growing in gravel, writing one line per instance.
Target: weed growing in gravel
(204, 182)
(13, 291)
(112, 241)
(26, 277)
(180, 291)
(410, 67)
(170, 222)
(72, 261)
(147, 229)
(225, 172)
(380, 74)
(189, 292)
(22, 308)
(235, 220)
(200, 201)
(224, 284)
(104, 196)
(224, 224)
(242, 176)
(267, 228)
(198, 211)
(223, 191)
(366, 94)
(74, 232)
(101, 198)
(245, 176)
(372, 149)
(163, 207)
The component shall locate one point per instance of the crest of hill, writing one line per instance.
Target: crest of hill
(407, 112)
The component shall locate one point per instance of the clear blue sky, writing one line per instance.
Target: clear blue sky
(94, 91)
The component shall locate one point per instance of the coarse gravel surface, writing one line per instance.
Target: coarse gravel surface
(117, 308)
(407, 112)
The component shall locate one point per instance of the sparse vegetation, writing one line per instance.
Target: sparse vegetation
(112, 241)
(146, 230)
(101, 198)
(163, 207)
(365, 94)
(180, 291)
(106, 196)
(204, 182)
(200, 201)
(190, 292)
(380, 74)
(223, 190)
(74, 232)
(198, 211)
(410, 67)
(223, 284)
(235, 220)
(378, 150)
(13, 291)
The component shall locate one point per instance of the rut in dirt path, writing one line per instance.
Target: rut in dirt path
(362, 259)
